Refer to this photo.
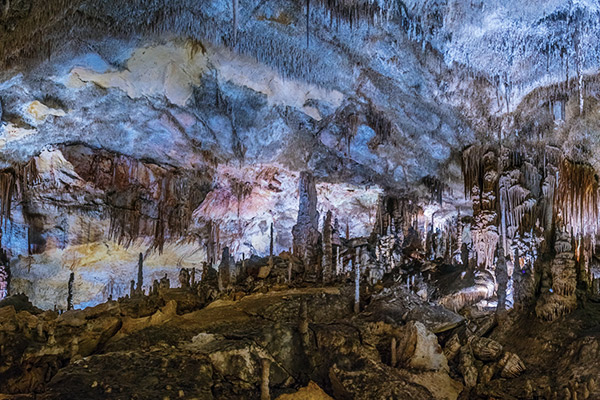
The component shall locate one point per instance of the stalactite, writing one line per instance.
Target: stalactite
(142, 199)
(381, 124)
(397, 211)
(14, 184)
(7, 190)
(481, 176)
(472, 167)
(351, 130)
(356, 11)
(212, 243)
(284, 56)
(307, 23)
(435, 187)
(241, 190)
(235, 7)
(516, 204)
(576, 198)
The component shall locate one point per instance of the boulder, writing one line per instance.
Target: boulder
(310, 392)
(486, 349)
(419, 349)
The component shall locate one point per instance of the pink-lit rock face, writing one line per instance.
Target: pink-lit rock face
(245, 201)
(68, 222)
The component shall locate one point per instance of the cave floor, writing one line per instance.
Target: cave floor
(147, 348)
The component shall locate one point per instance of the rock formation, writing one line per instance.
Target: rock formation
(306, 231)
(328, 260)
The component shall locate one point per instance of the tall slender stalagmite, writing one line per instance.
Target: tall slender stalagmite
(501, 278)
(224, 271)
(303, 325)
(140, 274)
(306, 233)
(70, 291)
(4, 273)
(264, 380)
(327, 249)
(393, 353)
(357, 281)
(271, 248)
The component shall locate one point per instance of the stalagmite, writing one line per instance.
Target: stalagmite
(559, 283)
(140, 274)
(193, 278)
(271, 244)
(184, 278)
(224, 270)
(40, 331)
(4, 281)
(305, 233)
(70, 291)
(393, 353)
(271, 249)
(327, 249)
(501, 278)
(264, 380)
(74, 347)
(357, 282)
(303, 325)
(51, 339)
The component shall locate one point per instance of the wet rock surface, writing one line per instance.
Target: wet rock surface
(148, 347)
(113, 351)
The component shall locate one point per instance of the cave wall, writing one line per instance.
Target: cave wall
(177, 136)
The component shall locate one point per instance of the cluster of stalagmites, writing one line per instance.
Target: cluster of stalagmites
(528, 202)
(559, 282)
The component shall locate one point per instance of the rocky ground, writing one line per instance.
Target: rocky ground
(293, 343)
